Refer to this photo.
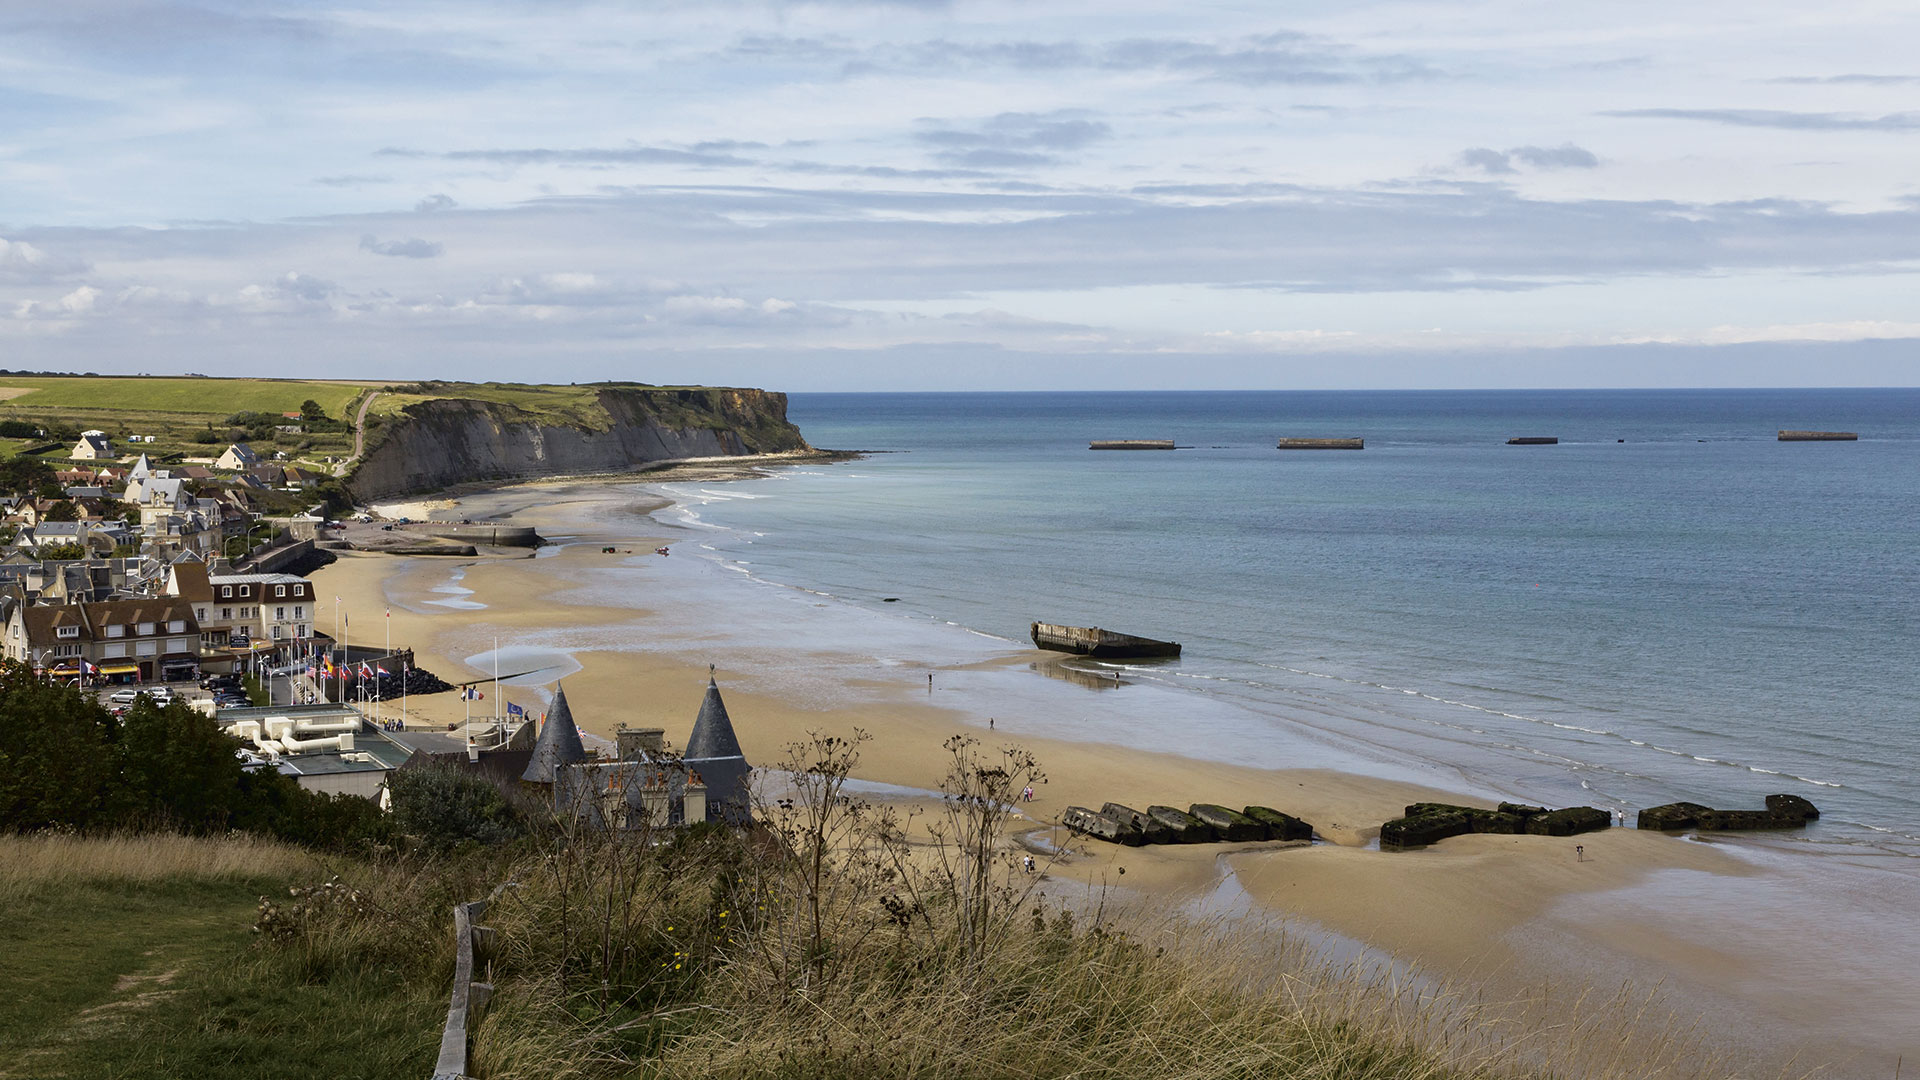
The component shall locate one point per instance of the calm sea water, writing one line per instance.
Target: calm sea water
(1670, 604)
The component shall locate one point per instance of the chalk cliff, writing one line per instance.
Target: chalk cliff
(455, 440)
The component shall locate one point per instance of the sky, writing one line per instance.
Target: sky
(915, 194)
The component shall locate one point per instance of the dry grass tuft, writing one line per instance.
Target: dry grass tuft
(33, 862)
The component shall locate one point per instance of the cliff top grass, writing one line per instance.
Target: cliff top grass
(80, 395)
(571, 405)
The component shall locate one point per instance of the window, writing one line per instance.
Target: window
(300, 612)
(226, 592)
(145, 648)
(246, 590)
(116, 630)
(67, 650)
(279, 590)
(300, 631)
(174, 626)
(200, 614)
(66, 631)
(226, 613)
(108, 651)
(277, 628)
(279, 615)
(144, 628)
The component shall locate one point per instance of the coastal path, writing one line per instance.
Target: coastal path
(359, 433)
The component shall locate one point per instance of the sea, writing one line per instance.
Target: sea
(1668, 604)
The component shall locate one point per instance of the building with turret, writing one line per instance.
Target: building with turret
(714, 752)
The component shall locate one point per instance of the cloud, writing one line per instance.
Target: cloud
(1775, 118)
(1564, 156)
(410, 248)
(1500, 162)
(618, 155)
(1491, 162)
(24, 264)
(1012, 140)
(351, 180)
(434, 202)
(1846, 80)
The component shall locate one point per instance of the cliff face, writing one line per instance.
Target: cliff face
(446, 441)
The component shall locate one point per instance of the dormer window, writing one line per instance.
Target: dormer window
(246, 590)
(226, 592)
(116, 630)
(279, 590)
(176, 626)
(146, 628)
(66, 631)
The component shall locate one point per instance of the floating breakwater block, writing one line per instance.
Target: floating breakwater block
(1793, 804)
(1676, 815)
(1092, 823)
(1230, 825)
(1186, 828)
(1280, 826)
(1746, 820)
(1419, 830)
(1569, 822)
(1151, 831)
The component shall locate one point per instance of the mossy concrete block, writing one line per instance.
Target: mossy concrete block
(1420, 830)
(1186, 828)
(1421, 809)
(1229, 825)
(1744, 820)
(1280, 826)
(1496, 823)
(1793, 804)
(1569, 822)
(1151, 831)
(1676, 815)
(1095, 824)
(1521, 809)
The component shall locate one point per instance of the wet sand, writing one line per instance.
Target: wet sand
(1503, 912)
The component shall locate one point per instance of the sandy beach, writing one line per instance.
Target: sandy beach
(1509, 913)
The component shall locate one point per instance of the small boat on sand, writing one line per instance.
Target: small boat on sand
(1093, 641)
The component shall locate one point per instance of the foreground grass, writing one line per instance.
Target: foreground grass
(132, 957)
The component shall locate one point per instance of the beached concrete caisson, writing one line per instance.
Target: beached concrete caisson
(1201, 823)
(1229, 825)
(1429, 823)
(1098, 643)
(1782, 812)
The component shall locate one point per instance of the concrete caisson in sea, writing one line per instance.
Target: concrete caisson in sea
(1534, 440)
(1131, 444)
(1093, 641)
(1819, 436)
(1782, 812)
(1321, 444)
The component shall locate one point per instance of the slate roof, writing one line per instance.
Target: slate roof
(558, 746)
(713, 735)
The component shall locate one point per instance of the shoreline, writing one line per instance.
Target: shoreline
(1489, 909)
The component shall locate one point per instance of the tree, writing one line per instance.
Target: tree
(447, 806)
(54, 552)
(176, 766)
(311, 410)
(64, 510)
(55, 764)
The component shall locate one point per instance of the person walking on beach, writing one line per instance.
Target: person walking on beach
(1027, 861)
(1579, 853)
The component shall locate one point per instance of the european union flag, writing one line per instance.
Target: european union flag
(515, 710)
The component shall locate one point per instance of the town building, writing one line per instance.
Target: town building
(141, 640)
(93, 446)
(238, 458)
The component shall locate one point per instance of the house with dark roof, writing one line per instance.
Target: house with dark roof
(93, 446)
(645, 789)
(238, 458)
(123, 640)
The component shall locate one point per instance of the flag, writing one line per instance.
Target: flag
(87, 668)
(382, 671)
(366, 670)
(515, 710)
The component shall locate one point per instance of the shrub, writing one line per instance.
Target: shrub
(445, 807)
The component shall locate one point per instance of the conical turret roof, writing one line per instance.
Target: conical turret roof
(558, 746)
(713, 735)
(142, 469)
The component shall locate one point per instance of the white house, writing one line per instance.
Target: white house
(93, 446)
(238, 458)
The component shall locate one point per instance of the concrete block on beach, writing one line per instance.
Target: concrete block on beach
(1747, 820)
(1229, 825)
(1793, 804)
(1569, 822)
(1422, 829)
(1280, 826)
(1151, 831)
(1675, 815)
(1095, 824)
(1186, 828)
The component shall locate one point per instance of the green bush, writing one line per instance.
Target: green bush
(444, 807)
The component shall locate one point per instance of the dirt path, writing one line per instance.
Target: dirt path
(359, 433)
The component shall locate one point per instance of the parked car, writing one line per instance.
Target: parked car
(216, 682)
(123, 697)
(161, 695)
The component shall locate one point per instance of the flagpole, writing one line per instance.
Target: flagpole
(332, 646)
(496, 680)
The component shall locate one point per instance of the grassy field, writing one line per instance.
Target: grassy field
(193, 396)
(565, 404)
(132, 957)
